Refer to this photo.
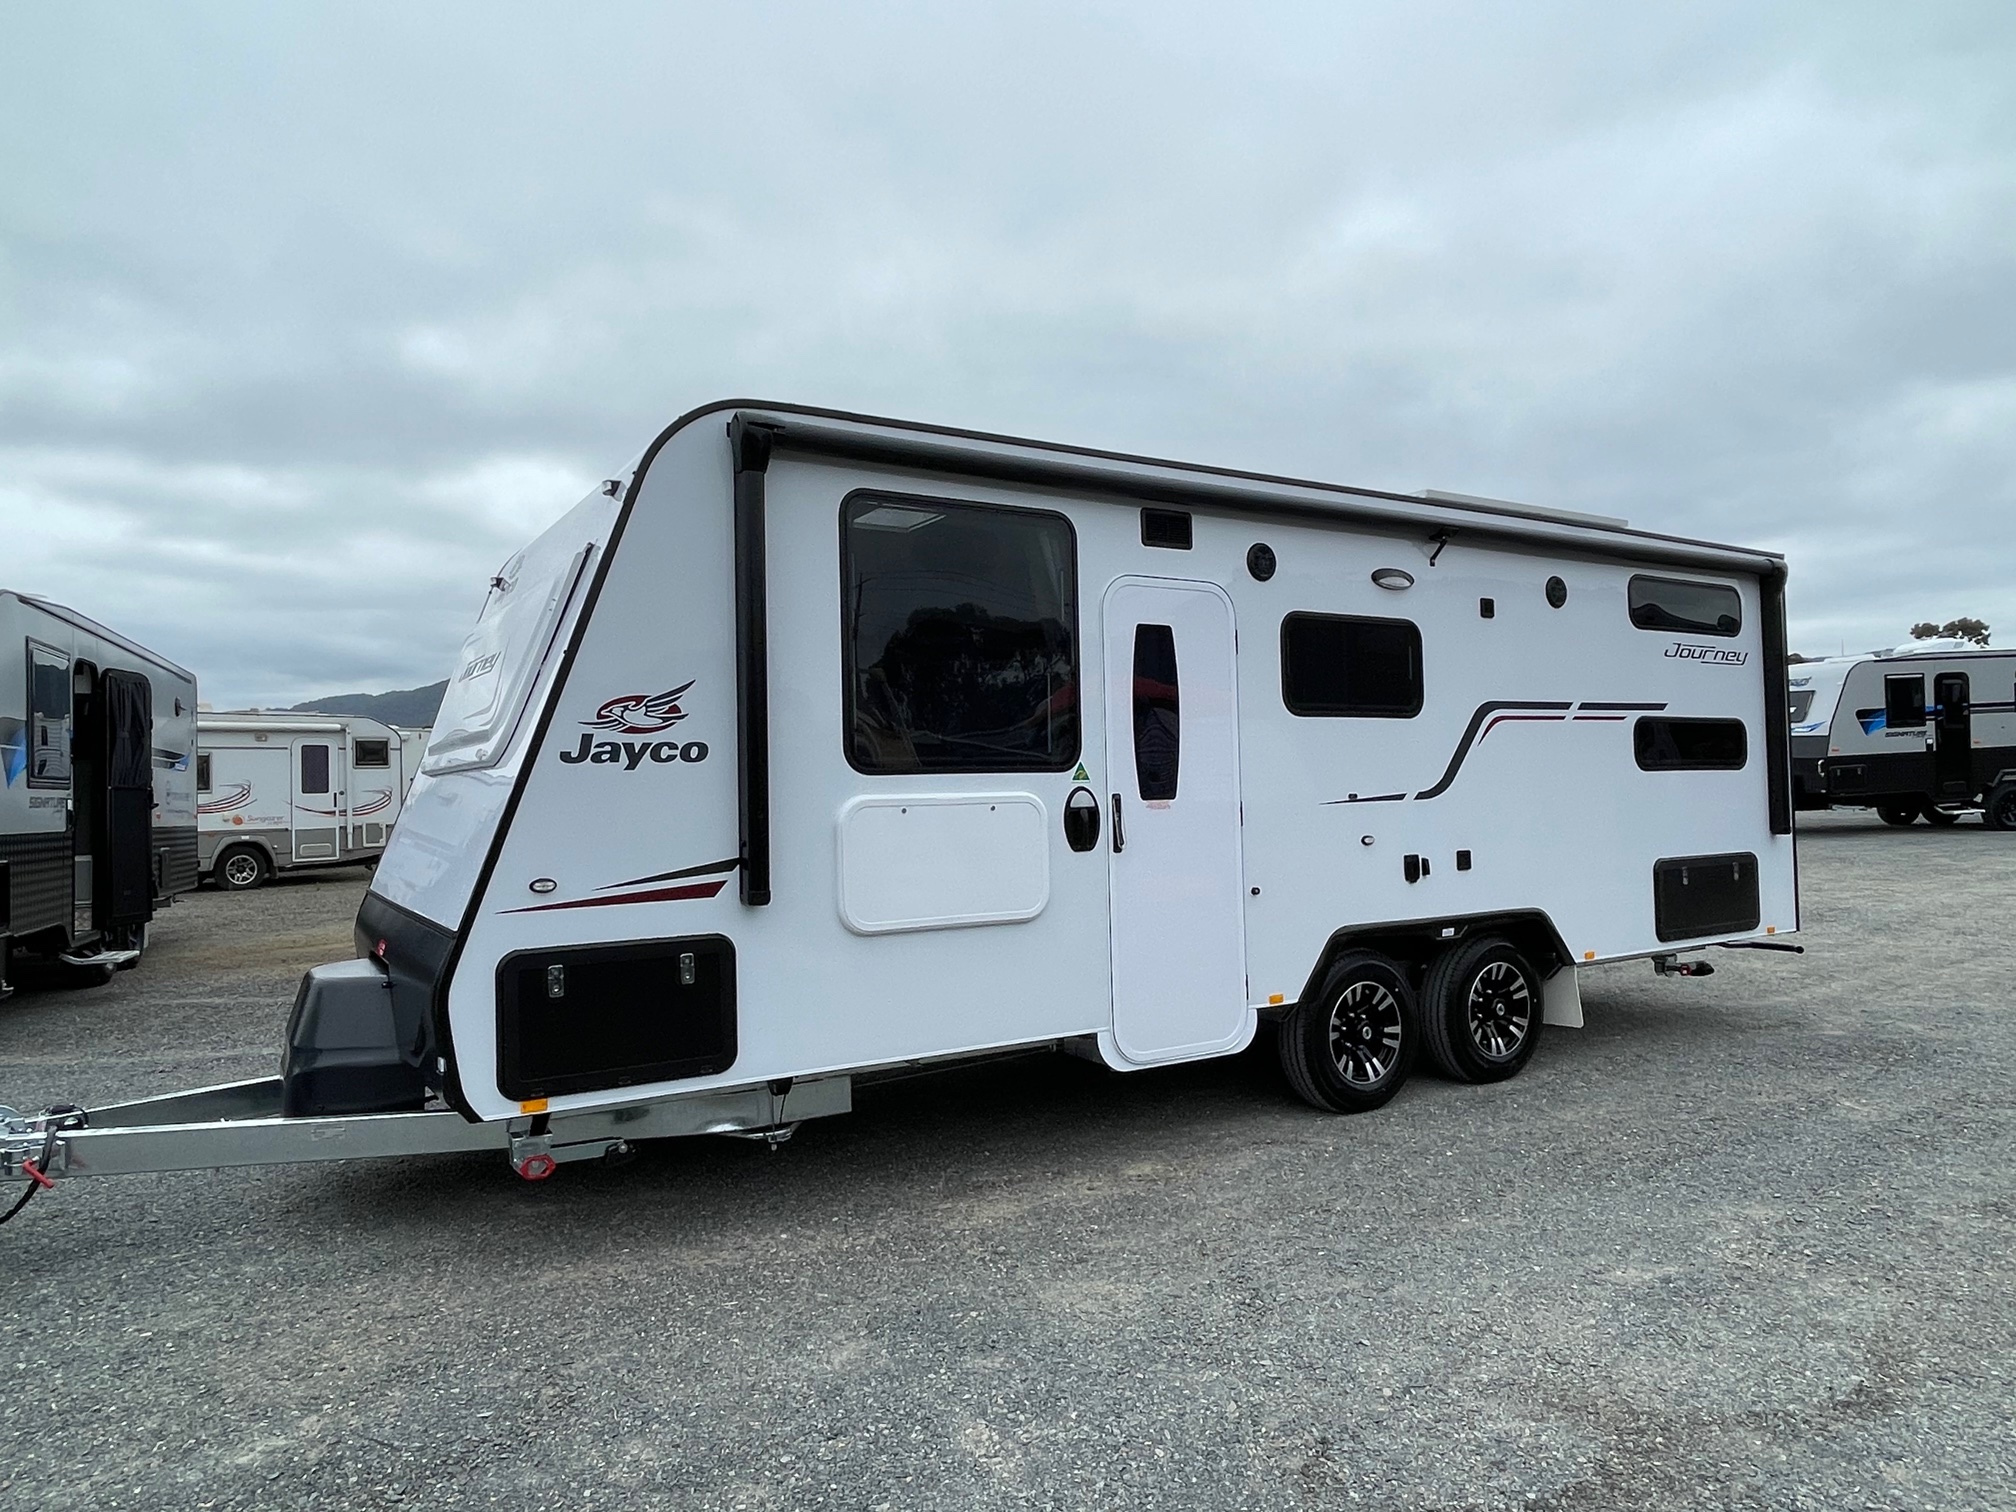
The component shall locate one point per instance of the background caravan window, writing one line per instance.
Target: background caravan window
(1691, 745)
(1337, 665)
(960, 636)
(48, 717)
(1690, 608)
(372, 753)
(1904, 701)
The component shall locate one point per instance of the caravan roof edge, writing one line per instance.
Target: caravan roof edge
(86, 623)
(939, 448)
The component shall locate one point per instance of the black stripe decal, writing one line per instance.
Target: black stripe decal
(1375, 798)
(1484, 712)
(710, 869)
(1624, 708)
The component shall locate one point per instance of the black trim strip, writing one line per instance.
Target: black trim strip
(749, 444)
(1777, 700)
(1625, 708)
(685, 871)
(1375, 798)
(1484, 712)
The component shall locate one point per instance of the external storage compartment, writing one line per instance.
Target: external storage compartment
(343, 1053)
(588, 1018)
(1695, 896)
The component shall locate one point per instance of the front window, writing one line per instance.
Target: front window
(1802, 705)
(960, 640)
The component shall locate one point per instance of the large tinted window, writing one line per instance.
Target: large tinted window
(1691, 745)
(1335, 664)
(371, 753)
(48, 717)
(960, 637)
(1690, 608)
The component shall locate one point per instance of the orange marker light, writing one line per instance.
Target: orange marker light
(536, 1105)
(1588, 955)
(1273, 998)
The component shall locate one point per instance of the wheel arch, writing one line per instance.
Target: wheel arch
(246, 842)
(1414, 943)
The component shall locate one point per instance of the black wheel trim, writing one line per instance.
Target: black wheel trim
(1498, 1011)
(1364, 1033)
(2002, 809)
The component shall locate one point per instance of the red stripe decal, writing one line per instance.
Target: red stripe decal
(1601, 718)
(654, 895)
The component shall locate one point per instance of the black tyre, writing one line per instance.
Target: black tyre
(1897, 813)
(241, 868)
(1940, 818)
(1481, 1010)
(1999, 812)
(1348, 1048)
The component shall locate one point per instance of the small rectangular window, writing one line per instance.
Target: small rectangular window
(960, 636)
(1336, 665)
(1690, 608)
(1904, 701)
(314, 769)
(372, 753)
(1691, 745)
(49, 717)
(202, 771)
(1158, 730)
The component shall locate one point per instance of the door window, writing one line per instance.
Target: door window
(1157, 728)
(960, 642)
(48, 717)
(314, 769)
(1904, 701)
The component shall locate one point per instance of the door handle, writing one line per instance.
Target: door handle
(1119, 830)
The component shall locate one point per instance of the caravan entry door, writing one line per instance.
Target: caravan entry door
(318, 798)
(1953, 738)
(1172, 741)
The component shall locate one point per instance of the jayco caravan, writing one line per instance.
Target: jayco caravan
(815, 745)
(281, 791)
(97, 800)
(1927, 729)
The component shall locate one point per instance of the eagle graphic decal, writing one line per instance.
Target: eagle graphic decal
(640, 713)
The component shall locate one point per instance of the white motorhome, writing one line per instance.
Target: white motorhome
(284, 791)
(1923, 730)
(97, 800)
(817, 745)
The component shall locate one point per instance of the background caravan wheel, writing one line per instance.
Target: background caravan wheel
(1348, 1048)
(1481, 1010)
(1897, 813)
(241, 868)
(1999, 812)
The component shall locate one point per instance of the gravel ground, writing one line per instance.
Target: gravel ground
(1742, 1242)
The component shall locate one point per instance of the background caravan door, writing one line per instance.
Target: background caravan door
(1172, 740)
(1953, 739)
(316, 806)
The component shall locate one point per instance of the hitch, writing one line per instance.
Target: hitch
(1667, 965)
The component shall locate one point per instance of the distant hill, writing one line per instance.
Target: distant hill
(403, 706)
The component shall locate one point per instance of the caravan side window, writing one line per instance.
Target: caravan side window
(1904, 701)
(371, 753)
(959, 636)
(202, 771)
(1691, 608)
(1346, 665)
(1690, 745)
(48, 717)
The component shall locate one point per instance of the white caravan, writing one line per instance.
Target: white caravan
(817, 745)
(97, 800)
(1927, 729)
(283, 791)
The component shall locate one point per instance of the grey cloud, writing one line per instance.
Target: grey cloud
(320, 298)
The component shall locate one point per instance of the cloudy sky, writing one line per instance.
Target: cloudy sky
(309, 316)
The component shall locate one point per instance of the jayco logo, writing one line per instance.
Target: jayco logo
(637, 714)
(1719, 656)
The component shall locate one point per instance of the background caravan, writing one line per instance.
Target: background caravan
(1926, 730)
(818, 745)
(277, 792)
(97, 799)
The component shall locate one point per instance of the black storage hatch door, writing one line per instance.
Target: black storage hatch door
(1697, 896)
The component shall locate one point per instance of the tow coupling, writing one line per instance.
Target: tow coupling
(1667, 965)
